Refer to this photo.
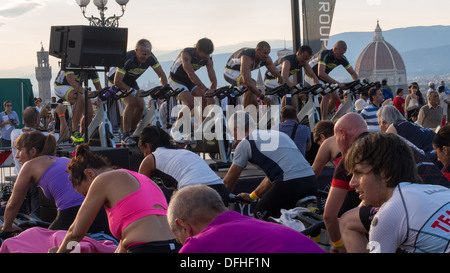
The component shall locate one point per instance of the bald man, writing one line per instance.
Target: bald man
(341, 197)
(322, 64)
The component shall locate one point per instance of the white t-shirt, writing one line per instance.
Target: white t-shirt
(416, 218)
(184, 167)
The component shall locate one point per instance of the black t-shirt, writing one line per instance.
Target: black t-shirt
(326, 57)
(292, 59)
(234, 62)
(132, 69)
(177, 72)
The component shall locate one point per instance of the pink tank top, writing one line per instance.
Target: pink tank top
(139, 204)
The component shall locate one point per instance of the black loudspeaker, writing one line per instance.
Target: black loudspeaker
(89, 45)
(119, 157)
(58, 41)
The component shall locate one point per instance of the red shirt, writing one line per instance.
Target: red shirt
(398, 101)
(341, 179)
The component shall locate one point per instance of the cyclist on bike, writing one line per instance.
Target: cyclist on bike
(68, 86)
(136, 207)
(136, 62)
(201, 222)
(322, 64)
(39, 166)
(177, 168)
(289, 177)
(412, 216)
(183, 76)
(289, 65)
(240, 65)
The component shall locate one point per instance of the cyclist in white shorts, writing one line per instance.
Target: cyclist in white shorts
(413, 217)
(68, 86)
(290, 65)
(238, 71)
(322, 64)
(183, 76)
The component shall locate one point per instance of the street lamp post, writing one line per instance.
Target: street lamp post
(103, 21)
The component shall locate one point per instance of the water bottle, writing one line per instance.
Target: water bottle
(111, 91)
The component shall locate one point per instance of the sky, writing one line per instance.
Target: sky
(175, 24)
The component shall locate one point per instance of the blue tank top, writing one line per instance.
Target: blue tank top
(56, 185)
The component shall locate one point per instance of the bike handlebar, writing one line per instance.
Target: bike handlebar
(281, 90)
(317, 89)
(161, 92)
(24, 221)
(109, 92)
(357, 85)
(314, 221)
(226, 91)
(234, 198)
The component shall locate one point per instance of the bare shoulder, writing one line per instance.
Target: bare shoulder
(114, 180)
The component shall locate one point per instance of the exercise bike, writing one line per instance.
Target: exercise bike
(310, 113)
(100, 130)
(349, 105)
(273, 114)
(158, 94)
(212, 137)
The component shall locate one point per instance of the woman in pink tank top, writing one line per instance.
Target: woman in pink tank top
(135, 206)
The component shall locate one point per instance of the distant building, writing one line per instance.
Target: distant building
(284, 52)
(43, 75)
(380, 60)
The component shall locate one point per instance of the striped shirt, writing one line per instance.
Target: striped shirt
(369, 114)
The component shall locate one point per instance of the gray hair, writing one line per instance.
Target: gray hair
(197, 203)
(144, 43)
(390, 114)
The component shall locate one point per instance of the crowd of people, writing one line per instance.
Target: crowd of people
(389, 191)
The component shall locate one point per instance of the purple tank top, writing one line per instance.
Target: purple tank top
(56, 185)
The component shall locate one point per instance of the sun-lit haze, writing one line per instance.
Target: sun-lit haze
(175, 24)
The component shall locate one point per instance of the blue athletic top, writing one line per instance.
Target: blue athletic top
(420, 136)
(301, 137)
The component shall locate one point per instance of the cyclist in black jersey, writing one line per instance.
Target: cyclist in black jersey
(239, 66)
(137, 61)
(322, 64)
(289, 65)
(183, 76)
(68, 86)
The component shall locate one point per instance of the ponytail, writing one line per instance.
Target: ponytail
(44, 145)
(85, 159)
